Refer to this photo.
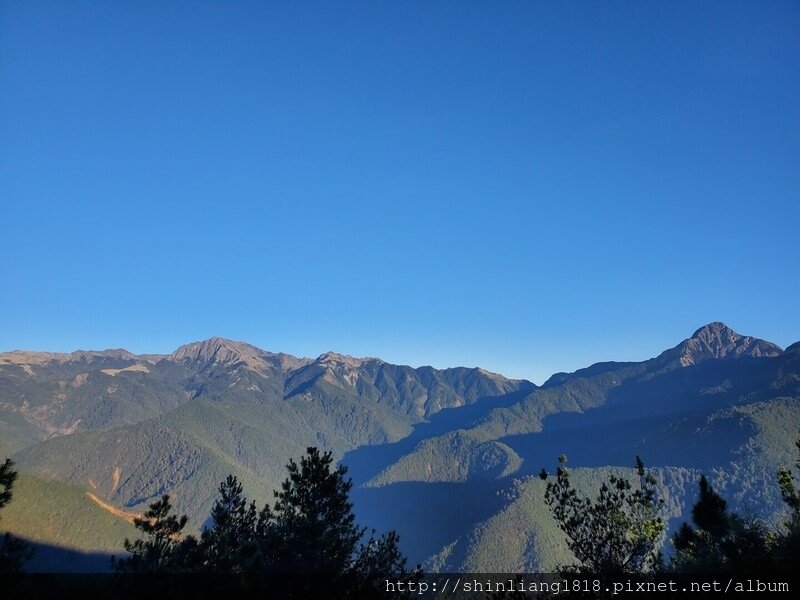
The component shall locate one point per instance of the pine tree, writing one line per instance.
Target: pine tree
(14, 552)
(721, 541)
(791, 496)
(311, 530)
(7, 478)
(380, 556)
(710, 513)
(164, 550)
(230, 545)
(621, 531)
(787, 545)
(313, 518)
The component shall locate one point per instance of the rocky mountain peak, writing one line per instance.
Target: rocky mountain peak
(25, 357)
(336, 359)
(718, 341)
(217, 350)
(716, 333)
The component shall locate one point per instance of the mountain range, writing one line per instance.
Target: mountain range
(447, 457)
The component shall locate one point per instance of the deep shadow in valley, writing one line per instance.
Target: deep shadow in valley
(662, 417)
(365, 462)
(428, 516)
(50, 558)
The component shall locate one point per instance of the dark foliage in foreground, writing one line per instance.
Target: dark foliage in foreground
(727, 542)
(13, 551)
(310, 529)
(621, 531)
(720, 541)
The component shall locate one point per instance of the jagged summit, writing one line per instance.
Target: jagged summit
(716, 331)
(717, 340)
(344, 359)
(221, 351)
(36, 358)
(217, 350)
(712, 341)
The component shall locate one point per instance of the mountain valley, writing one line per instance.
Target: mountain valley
(448, 457)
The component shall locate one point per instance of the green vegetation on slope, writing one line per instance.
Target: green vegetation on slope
(525, 537)
(719, 403)
(59, 514)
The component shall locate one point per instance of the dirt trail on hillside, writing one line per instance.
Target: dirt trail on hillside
(127, 516)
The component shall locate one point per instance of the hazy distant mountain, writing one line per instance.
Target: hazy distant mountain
(419, 442)
(43, 395)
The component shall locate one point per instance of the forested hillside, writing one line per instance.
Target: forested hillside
(110, 432)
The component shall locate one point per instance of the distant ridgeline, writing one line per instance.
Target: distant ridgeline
(448, 457)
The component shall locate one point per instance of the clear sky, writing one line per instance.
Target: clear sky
(525, 186)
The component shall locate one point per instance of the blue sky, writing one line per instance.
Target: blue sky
(525, 186)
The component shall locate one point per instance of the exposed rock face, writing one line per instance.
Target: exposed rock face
(25, 357)
(132, 427)
(334, 359)
(216, 351)
(52, 394)
(717, 340)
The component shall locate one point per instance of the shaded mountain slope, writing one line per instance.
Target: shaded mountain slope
(444, 456)
(725, 404)
(47, 395)
(179, 424)
(714, 368)
(53, 516)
